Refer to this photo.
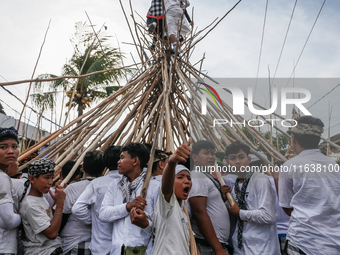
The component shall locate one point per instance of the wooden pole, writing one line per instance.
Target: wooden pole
(193, 247)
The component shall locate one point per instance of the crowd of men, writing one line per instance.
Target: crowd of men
(185, 211)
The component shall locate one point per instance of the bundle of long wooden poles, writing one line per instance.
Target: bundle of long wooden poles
(159, 105)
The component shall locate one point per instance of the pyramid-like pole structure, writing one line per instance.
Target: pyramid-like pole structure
(159, 105)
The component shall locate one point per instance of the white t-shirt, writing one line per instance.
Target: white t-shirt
(8, 238)
(157, 178)
(74, 231)
(170, 228)
(19, 188)
(87, 208)
(259, 234)
(315, 221)
(202, 186)
(36, 216)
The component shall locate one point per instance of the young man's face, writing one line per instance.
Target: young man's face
(182, 185)
(205, 157)
(9, 152)
(238, 159)
(43, 183)
(126, 164)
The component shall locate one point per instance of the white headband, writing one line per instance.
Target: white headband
(180, 168)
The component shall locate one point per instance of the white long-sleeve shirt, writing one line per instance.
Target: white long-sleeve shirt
(114, 210)
(312, 187)
(259, 231)
(9, 220)
(87, 208)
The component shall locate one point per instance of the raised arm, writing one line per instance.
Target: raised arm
(52, 231)
(181, 155)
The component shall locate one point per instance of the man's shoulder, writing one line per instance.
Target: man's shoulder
(198, 174)
(75, 186)
(260, 179)
(106, 178)
(5, 180)
(312, 155)
(33, 202)
(154, 184)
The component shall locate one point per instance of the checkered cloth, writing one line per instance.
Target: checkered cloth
(282, 242)
(155, 8)
(291, 249)
(129, 188)
(57, 251)
(81, 248)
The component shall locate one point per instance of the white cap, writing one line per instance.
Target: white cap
(180, 168)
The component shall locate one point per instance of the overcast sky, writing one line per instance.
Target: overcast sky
(231, 50)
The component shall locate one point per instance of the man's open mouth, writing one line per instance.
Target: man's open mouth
(186, 190)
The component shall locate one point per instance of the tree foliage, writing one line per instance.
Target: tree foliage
(90, 55)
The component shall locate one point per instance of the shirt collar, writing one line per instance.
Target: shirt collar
(309, 151)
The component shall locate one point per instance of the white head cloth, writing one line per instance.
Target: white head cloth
(180, 168)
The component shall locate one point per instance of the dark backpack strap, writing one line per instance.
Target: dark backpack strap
(215, 182)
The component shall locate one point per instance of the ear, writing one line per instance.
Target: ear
(194, 157)
(293, 141)
(32, 178)
(136, 161)
(161, 165)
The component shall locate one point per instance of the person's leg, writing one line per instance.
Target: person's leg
(152, 24)
(282, 242)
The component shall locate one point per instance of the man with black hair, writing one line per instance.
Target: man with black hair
(210, 217)
(9, 217)
(76, 235)
(87, 207)
(254, 206)
(161, 158)
(66, 169)
(309, 193)
(122, 201)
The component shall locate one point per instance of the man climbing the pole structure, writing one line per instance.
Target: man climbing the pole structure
(255, 231)
(309, 193)
(154, 17)
(210, 217)
(174, 13)
(130, 214)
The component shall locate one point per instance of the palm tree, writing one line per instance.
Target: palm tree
(91, 54)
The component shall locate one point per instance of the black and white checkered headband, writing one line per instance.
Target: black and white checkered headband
(41, 166)
(10, 132)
